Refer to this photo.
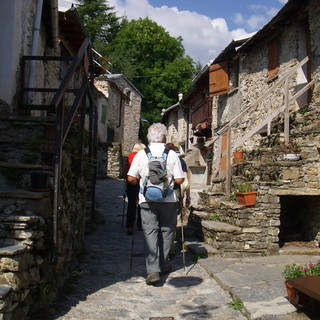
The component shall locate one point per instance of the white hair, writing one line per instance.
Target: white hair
(157, 132)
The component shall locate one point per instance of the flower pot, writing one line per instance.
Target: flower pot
(291, 293)
(238, 157)
(39, 181)
(292, 156)
(246, 198)
(295, 296)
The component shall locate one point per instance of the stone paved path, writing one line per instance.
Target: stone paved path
(106, 288)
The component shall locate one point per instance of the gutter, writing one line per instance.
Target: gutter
(55, 23)
(34, 48)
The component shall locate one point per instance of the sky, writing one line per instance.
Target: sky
(206, 26)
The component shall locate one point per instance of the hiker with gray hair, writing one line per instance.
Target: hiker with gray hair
(158, 217)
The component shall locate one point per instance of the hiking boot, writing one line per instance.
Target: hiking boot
(166, 270)
(152, 278)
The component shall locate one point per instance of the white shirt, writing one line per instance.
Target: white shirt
(139, 168)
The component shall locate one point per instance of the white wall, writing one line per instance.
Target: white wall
(14, 38)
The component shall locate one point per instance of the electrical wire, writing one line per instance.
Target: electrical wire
(159, 75)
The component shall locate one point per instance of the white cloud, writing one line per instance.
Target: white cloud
(238, 19)
(255, 21)
(203, 38)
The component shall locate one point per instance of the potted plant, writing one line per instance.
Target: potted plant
(245, 194)
(238, 155)
(294, 270)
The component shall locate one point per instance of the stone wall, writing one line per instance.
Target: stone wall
(255, 230)
(114, 159)
(132, 110)
(123, 110)
(32, 265)
(253, 79)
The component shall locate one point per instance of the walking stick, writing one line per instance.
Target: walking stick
(132, 243)
(182, 231)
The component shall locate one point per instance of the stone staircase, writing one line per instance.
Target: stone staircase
(34, 260)
(220, 226)
(25, 215)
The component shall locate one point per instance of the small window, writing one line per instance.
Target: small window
(218, 79)
(273, 58)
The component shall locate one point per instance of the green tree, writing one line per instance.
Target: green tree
(154, 61)
(100, 20)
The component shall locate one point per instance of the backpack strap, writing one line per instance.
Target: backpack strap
(164, 154)
(148, 152)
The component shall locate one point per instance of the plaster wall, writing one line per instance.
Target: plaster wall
(16, 29)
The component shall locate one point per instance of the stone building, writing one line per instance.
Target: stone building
(118, 128)
(45, 83)
(265, 99)
(175, 118)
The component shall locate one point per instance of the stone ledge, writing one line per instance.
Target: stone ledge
(19, 218)
(4, 290)
(201, 248)
(24, 194)
(11, 250)
(219, 226)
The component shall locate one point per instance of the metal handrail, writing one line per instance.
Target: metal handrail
(83, 59)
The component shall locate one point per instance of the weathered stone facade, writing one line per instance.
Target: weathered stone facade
(39, 245)
(123, 102)
(114, 159)
(288, 200)
(120, 131)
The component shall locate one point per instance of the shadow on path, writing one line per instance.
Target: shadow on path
(110, 290)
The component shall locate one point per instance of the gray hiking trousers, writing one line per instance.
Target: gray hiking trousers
(158, 224)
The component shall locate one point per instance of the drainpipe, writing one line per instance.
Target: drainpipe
(34, 49)
(55, 23)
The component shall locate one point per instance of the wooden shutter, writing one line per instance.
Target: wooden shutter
(273, 58)
(218, 79)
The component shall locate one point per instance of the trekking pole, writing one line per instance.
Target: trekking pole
(124, 202)
(132, 243)
(182, 231)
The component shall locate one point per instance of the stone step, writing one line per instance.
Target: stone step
(200, 249)
(217, 226)
(12, 250)
(4, 290)
(19, 165)
(299, 251)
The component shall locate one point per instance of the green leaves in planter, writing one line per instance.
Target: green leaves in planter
(244, 187)
(296, 271)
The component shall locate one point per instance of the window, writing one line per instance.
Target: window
(273, 58)
(218, 79)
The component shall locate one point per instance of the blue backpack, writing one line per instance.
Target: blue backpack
(155, 186)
